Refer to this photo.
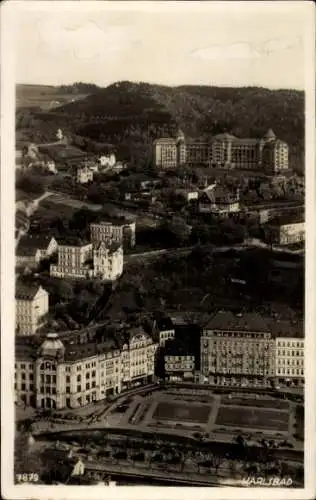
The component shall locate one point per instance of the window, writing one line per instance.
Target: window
(67, 369)
(31, 376)
(78, 368)
(32, 387)
(93, 374)
(78, 388)
(23, 376)
(88, 375)
(93, 385)
(87, 385)
(78, 378)
(22, 366)
(67, 389)
(54, 379)
(23, 387)
(48, 379)
(67, 379)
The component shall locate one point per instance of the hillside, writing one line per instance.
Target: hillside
(46, 97)
(131, 115)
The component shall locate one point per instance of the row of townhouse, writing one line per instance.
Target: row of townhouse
(268, 153)
(235, 350)
(60, 374)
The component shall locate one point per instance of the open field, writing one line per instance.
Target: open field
(253, 418)
(254, 402)
(43, 96)
(179, 412)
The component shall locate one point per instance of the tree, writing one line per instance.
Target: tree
(30, 184)
(64, 290)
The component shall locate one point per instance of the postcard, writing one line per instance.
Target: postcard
(157, 250)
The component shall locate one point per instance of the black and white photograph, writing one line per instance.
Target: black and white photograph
(161, 190)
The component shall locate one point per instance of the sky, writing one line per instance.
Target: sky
(171, 43)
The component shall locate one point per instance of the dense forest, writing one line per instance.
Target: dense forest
(131, 115)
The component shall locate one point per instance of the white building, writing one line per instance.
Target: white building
(289, 353)
(107, 161)
(74, 261)
(31, 304)
(286, 230)
(107, 261)
(71, 374)
(84, 174)
(137, 358)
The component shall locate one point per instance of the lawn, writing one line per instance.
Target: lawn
(179, 412)
(258, 403)
(253, 418)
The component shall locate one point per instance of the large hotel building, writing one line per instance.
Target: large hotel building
(268, 153)
(248, 350)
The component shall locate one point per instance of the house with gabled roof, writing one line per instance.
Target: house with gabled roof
(31, 249)
(217, 199)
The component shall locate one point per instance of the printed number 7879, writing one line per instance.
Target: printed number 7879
(27, 478)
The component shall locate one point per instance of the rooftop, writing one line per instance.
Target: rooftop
(283, 220)
(287, 328)
(76, 352)
(25, 292)
(164, 324)
(29, 244)
(269, 134)
(249, 322)
(224, 136)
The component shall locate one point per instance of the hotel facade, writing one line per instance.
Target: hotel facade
(268, 153)
(60, 373)
(250, 351)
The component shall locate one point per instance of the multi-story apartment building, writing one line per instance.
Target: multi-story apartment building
(170, 152)
(179, 361)
(107, 261)
(289, 364)
(275, 157)
(237, 350)
(106, 232)
(31, 249)
(74, 261)
(62, 374)
(286, 230)
(114, 231)
(138, 357)
(218, 200)
(89, 261)
(224, 151)
(31, 304)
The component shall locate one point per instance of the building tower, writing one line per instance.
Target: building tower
(181, 148)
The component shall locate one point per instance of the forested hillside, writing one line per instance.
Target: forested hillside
(131, 115)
